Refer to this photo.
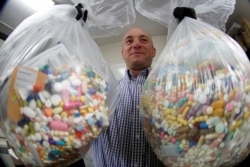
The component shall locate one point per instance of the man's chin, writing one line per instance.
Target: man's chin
(138, 66)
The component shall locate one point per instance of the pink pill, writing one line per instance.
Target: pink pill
(229, 106)
(58, 125)
(72, 105)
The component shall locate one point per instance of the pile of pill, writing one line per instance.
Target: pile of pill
(198, 118)
(61, 120)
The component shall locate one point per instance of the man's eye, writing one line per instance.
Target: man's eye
(128, 41)
(144, 40)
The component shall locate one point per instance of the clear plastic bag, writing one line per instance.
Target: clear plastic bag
(195, 101)
(56, 89)
(213, 12)
(108, 17)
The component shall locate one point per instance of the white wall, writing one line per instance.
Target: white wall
(112, 54)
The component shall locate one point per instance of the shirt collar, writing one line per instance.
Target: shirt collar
(129, 75)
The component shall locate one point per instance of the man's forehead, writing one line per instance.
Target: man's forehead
(136, 32)
(135, 36)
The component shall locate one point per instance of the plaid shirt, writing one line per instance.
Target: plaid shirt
(124, 144)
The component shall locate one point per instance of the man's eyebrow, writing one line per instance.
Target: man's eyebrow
(127, 37)
(144, 36)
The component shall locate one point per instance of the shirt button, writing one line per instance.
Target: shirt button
(137, 136)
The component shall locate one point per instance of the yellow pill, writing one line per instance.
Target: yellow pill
(61, 104)
(192, 121)
(90, 109)
(236, 125)
(182, 121)
(83, 112)
(246, 115)
(73, 98)
(184, 114)
(64, 114)
(211, 136)
(82, 98)
(201, 141)
(198, 119)
(247, 88)
(171, 117)
(102, 103)
(175, 124)
(182, 108)
(38, 104)
(168, 111)
(71, 138)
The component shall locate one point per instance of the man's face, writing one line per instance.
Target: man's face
(138, 50)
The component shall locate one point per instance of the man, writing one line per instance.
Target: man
(124, 144)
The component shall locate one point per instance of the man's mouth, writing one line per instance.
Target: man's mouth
(136, 53)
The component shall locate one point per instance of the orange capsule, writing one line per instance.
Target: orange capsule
(218, 104)
(48, 112)
(218, 112)
(37, 88)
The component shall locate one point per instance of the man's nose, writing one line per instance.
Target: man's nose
(136, 44)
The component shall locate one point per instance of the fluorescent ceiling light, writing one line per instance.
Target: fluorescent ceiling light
(38, 5)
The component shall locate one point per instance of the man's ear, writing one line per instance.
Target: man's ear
(122, 54)
(154, 52)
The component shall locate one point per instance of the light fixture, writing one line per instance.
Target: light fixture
(38, 5)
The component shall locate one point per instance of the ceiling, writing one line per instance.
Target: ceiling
(9, 20)
(152, 27)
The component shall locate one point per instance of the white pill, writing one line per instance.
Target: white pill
(248, 98)
(46, 94)
(226, 97)
(46, 144)
(28, 112)
(73, 92)
(36, 126)
(57, 117)
(55, 99)
(66, 83)
(18, 129)
(58, 87)
(38, 137)
(209, 110)
(76, 82)
(32, 104)
(202, 98)
(220, 128)
(48, 103)
(42, 98)
(78, 119)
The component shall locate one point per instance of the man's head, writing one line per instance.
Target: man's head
(137, 49)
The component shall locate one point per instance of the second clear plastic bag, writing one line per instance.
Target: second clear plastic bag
(213, 12)
(195, 101)
(56, 94)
